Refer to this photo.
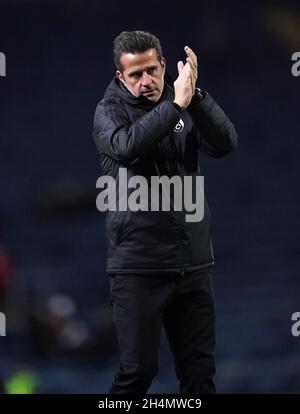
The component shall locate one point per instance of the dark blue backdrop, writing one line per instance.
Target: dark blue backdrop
(59, 62)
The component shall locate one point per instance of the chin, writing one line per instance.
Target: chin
(155, 98)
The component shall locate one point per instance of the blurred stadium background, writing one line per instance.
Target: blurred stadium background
(53, 286)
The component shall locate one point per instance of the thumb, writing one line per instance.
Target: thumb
(180, 66)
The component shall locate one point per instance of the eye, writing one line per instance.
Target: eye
(135, 75)
(151, 70)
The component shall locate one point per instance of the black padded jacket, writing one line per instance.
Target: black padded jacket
(158, 139)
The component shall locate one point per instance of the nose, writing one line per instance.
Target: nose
(146, 79)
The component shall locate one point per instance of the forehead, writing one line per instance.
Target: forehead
(137, 61)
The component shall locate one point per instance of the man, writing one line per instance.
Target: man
(160, 264)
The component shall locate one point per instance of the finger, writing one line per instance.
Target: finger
(180, 66)
(193, 83)
(193, 78)
(191, 57)
(192, 64)
(192, 70)
(193, 74)
(192, 61)
(190, 53)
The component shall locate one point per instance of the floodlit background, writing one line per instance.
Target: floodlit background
(53, 287)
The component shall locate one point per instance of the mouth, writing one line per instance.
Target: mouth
(148, 93)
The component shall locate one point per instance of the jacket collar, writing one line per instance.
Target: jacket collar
(117, 87)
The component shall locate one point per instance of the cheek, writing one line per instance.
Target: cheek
(159, 80)
(136, 89)
(137, 86)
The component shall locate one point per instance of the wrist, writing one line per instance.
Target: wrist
(178, 105)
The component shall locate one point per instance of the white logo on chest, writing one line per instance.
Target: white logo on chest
(179, 126)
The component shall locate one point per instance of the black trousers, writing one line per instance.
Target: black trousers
(185, 307)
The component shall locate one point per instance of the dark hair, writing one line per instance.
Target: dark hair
(136, 41)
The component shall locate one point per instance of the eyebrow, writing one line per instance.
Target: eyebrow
(139, 72)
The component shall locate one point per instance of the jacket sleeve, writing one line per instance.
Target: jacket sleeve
(126, 141)
(215, 132)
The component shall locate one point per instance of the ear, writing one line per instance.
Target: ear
(120, 76)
